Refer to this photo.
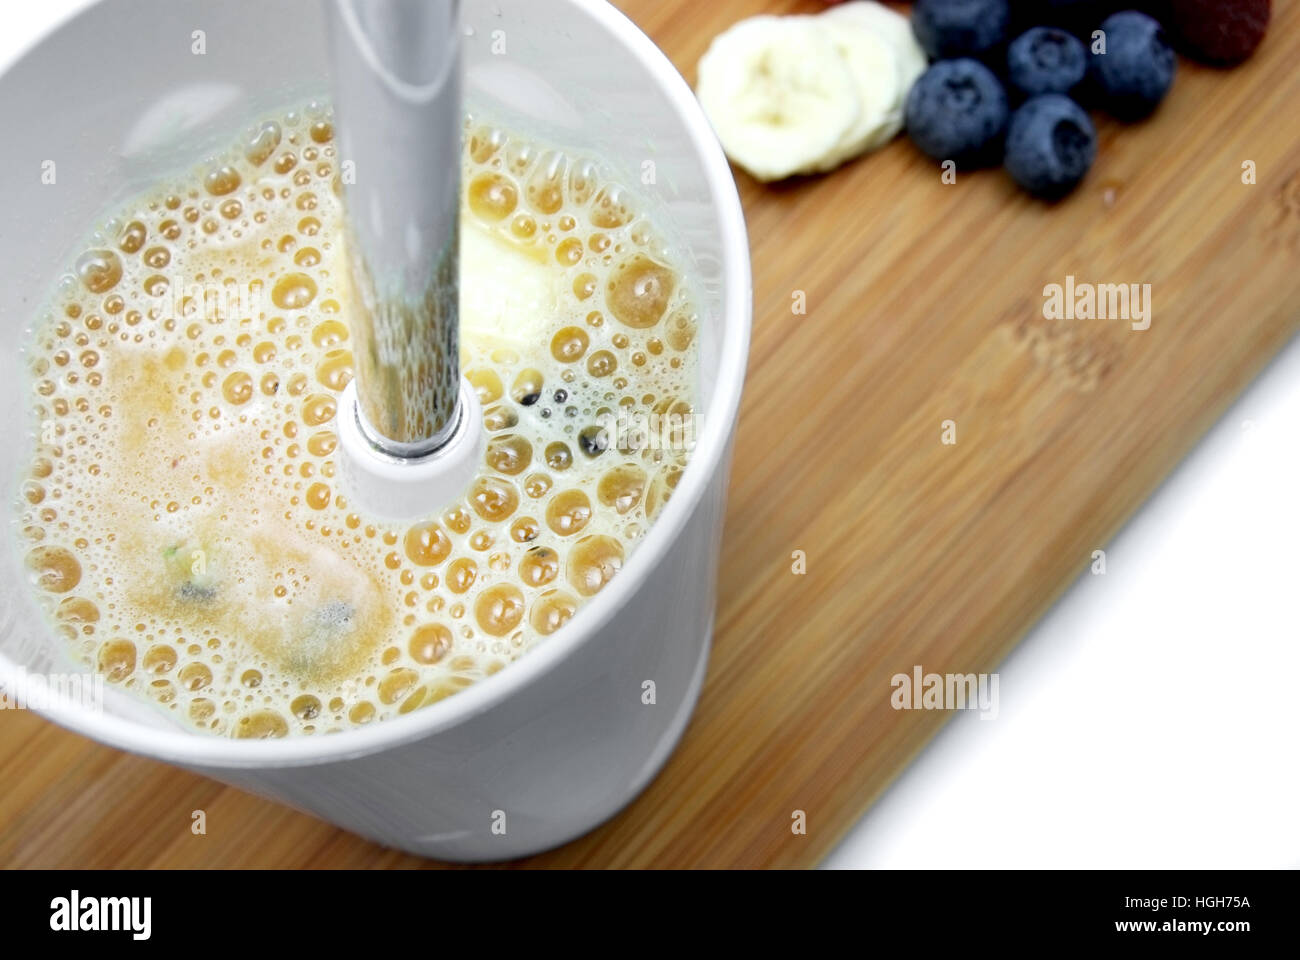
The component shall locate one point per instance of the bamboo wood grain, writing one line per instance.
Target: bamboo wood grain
(925, 305)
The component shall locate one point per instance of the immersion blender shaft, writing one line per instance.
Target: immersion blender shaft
(398, 117)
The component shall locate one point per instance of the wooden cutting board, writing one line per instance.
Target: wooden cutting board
(924, 305)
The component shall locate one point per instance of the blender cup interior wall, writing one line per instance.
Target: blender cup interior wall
(119, 98)
(115, 100)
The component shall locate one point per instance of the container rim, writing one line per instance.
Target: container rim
(180, 747)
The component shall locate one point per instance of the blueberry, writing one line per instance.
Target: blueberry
(593, 441)
(1076, 15)
(1046, 60)
(961, 28)
(958, 111)
(1137, 68)
(1051, 145)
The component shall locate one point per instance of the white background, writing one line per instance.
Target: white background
(1152, 719)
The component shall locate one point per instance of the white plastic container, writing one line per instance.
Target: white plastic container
(561, 739)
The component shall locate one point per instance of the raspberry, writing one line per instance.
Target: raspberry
(1221, 32)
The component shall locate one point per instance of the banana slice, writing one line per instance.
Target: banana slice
(895, 30)
(778, 94)
(871, 63)
(507, 297)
